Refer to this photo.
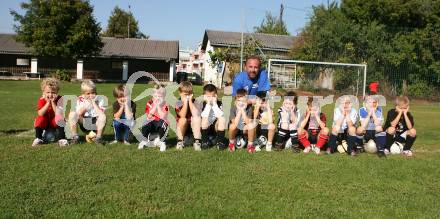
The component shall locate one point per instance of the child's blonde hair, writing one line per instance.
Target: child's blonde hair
(402, 99)
(160, 88)
(185, 86)
(88, 85)
(52, 83)
(119, 91)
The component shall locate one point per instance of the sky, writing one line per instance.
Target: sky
(186, 20)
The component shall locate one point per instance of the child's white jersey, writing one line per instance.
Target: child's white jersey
(338, 115)
(90, 110)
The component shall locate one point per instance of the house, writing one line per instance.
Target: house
(273, 46)
(118, 59)
(184, 61)
(191, 61)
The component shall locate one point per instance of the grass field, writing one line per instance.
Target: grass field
(86, 180)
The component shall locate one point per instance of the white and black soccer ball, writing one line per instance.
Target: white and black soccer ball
(240, 142)
(396, 148)
(263, 140)
(370, 147)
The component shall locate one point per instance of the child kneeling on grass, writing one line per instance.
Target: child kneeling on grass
(123, 115)
(399, 126)
(288, 123)
(156, 111)
(213, 120)
(313, 134)
(370, 127)
(344, 126)
(89, 113)
(49, 117)
(240, 118)
(187, 113)
(263, 117)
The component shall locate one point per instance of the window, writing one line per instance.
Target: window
(196, 56)
(22, 62)
(116, 65)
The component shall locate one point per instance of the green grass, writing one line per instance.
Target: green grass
(119, 181)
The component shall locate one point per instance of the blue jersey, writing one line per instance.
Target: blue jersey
(363, 113)
(252, 86)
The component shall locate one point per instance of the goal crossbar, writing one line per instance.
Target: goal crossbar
(364, 66)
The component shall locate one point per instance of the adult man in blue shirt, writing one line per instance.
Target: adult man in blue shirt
(252, 79)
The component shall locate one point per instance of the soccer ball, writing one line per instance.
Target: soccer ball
(396, 148)
(370, 147)
(288, 144)
(240, 142)
(342, 148)
(262, 140)
(91, 136)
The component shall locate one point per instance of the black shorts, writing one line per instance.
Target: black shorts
(87, 129)
(262, 130)
(211, 128)
(313, 135)
(155, 127)
(398, 136)
(342, 136)
(369, 134)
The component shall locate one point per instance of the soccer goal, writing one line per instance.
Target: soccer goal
(348, 78)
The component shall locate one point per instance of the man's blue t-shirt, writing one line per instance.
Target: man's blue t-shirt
(259, 83)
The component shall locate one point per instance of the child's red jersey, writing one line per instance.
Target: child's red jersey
(155, 116)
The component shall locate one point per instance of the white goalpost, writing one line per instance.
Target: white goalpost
(288, 74)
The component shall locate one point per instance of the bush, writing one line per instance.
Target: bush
(308, 85)
(420, 89)
(62, 75)
(344, 81)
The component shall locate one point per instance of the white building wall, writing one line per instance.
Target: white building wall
(34, 65)
(210, 74)
(172, 72)
(124, 70)
(79, 69)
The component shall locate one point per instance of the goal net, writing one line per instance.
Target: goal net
(313, 76)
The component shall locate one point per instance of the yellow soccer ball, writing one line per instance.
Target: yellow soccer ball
(91, 136)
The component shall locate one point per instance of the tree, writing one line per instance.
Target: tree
(273, 24)
(231, 55)
(398, 39)
(119, 23)
(58, 28)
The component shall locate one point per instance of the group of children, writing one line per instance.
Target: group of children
(250, 124)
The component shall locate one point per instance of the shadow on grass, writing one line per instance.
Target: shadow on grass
(170, 141)
(13, 131)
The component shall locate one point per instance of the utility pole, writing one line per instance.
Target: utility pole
(281, 13)
(128, 26)
(242, 40)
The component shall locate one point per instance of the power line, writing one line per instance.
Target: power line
(298, 9)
